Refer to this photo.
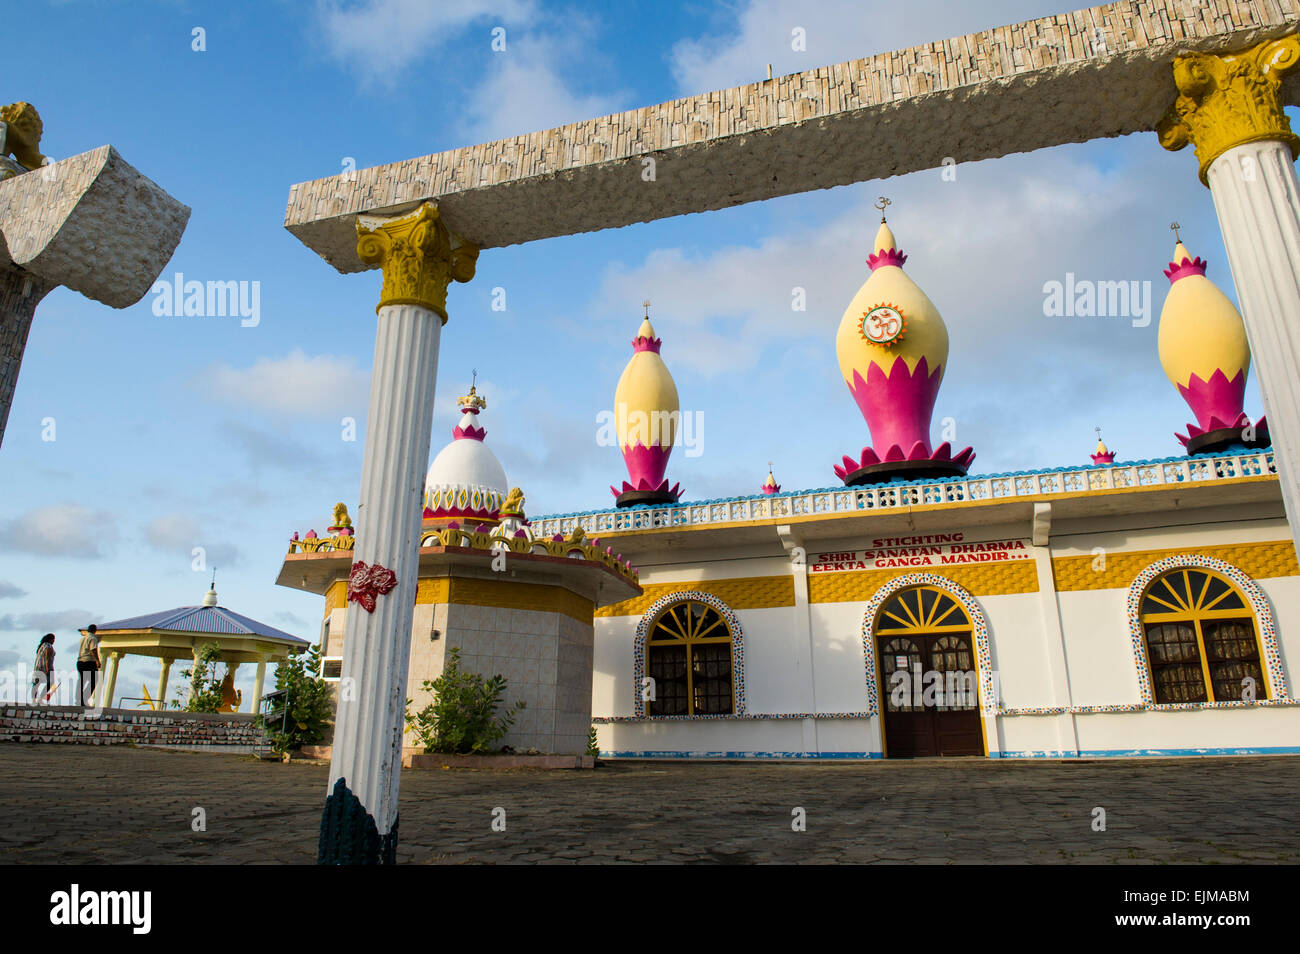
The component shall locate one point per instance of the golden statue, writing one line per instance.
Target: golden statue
(230, 698)
(21, 136)
(341, 519)
(514, 503)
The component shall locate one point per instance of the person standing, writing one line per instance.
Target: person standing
(43, 675)
(88, 664)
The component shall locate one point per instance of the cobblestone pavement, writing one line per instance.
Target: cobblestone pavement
(113, 805)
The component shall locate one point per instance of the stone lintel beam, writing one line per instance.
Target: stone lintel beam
(91, 223)
(1100, 72)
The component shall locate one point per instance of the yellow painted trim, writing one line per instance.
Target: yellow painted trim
(506, 595)
(1256, 560)
(432, 591)
(502, 594)
(752, 592)
(951, 507)
(336, 597)
(981, 579)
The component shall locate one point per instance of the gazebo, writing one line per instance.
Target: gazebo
(181, 633)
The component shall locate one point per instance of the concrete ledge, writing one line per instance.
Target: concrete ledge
(78, 726)
(1071, 77)
(499, 762)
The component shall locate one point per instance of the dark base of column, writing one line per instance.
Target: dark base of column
(632, 498)
(926, 469)
(1212, 442)
(349, 835)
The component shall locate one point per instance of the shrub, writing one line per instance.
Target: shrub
(308, 700)
(593, 745)
(462, 716)
(205, 687)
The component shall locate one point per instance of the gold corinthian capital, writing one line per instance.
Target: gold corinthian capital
(418, 259)
(1230, 99)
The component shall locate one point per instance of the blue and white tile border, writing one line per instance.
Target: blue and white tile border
(1263, 619)
(979, 627)
(737, 653)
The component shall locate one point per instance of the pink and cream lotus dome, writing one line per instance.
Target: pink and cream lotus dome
(466, 483)
(647, 413)
(892, 346)
(1206, 356)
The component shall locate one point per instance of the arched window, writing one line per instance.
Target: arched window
(688, 655)
(1201, 640)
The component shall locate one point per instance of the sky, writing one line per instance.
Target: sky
(176, 433)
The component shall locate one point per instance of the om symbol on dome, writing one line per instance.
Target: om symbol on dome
(883, 325)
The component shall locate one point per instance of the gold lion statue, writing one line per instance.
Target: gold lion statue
(514, 501)
(341, 518)
(230, 696)
(22, 134)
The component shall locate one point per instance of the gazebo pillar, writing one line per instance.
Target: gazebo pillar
(162, 682)
(1230, 108)
(110, 680)
(258, 682)
(194, 666)
(419, 258)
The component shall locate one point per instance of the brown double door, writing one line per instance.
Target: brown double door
(929, 695)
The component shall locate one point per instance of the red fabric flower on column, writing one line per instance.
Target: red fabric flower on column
(365, 582)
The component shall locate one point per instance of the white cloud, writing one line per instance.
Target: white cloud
(297, 384)
(48, 622)
(527, 88)
(381, 38)
(179, 534)
(834, 31)
(172, 531)
(60, 530)
(10, 591)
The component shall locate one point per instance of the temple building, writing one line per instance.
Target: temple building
(1116, 608)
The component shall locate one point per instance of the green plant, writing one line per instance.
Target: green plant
(205, 687)
(593, 746)
(463, 714)
(308, 702)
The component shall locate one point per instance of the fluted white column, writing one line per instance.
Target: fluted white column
(1257, 197)
(419, 258)
(367, 749)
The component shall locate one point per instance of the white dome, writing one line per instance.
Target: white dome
(465, 477)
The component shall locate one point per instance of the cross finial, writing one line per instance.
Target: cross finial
(1174, 227)
(882, 203)
(646, 305)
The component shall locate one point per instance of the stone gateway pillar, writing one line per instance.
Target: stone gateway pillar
(419, 258)
(1230, 108)
(91, 223)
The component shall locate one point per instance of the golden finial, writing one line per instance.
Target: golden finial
(882, 203)
(473, 399)
(646, 305)
(1174, 227)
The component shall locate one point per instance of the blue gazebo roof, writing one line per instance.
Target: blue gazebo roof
(203, 620)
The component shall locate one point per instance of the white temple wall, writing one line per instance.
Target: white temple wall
(1017, 645)
(1098, 647)
(1283, 594)
(838, 661)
